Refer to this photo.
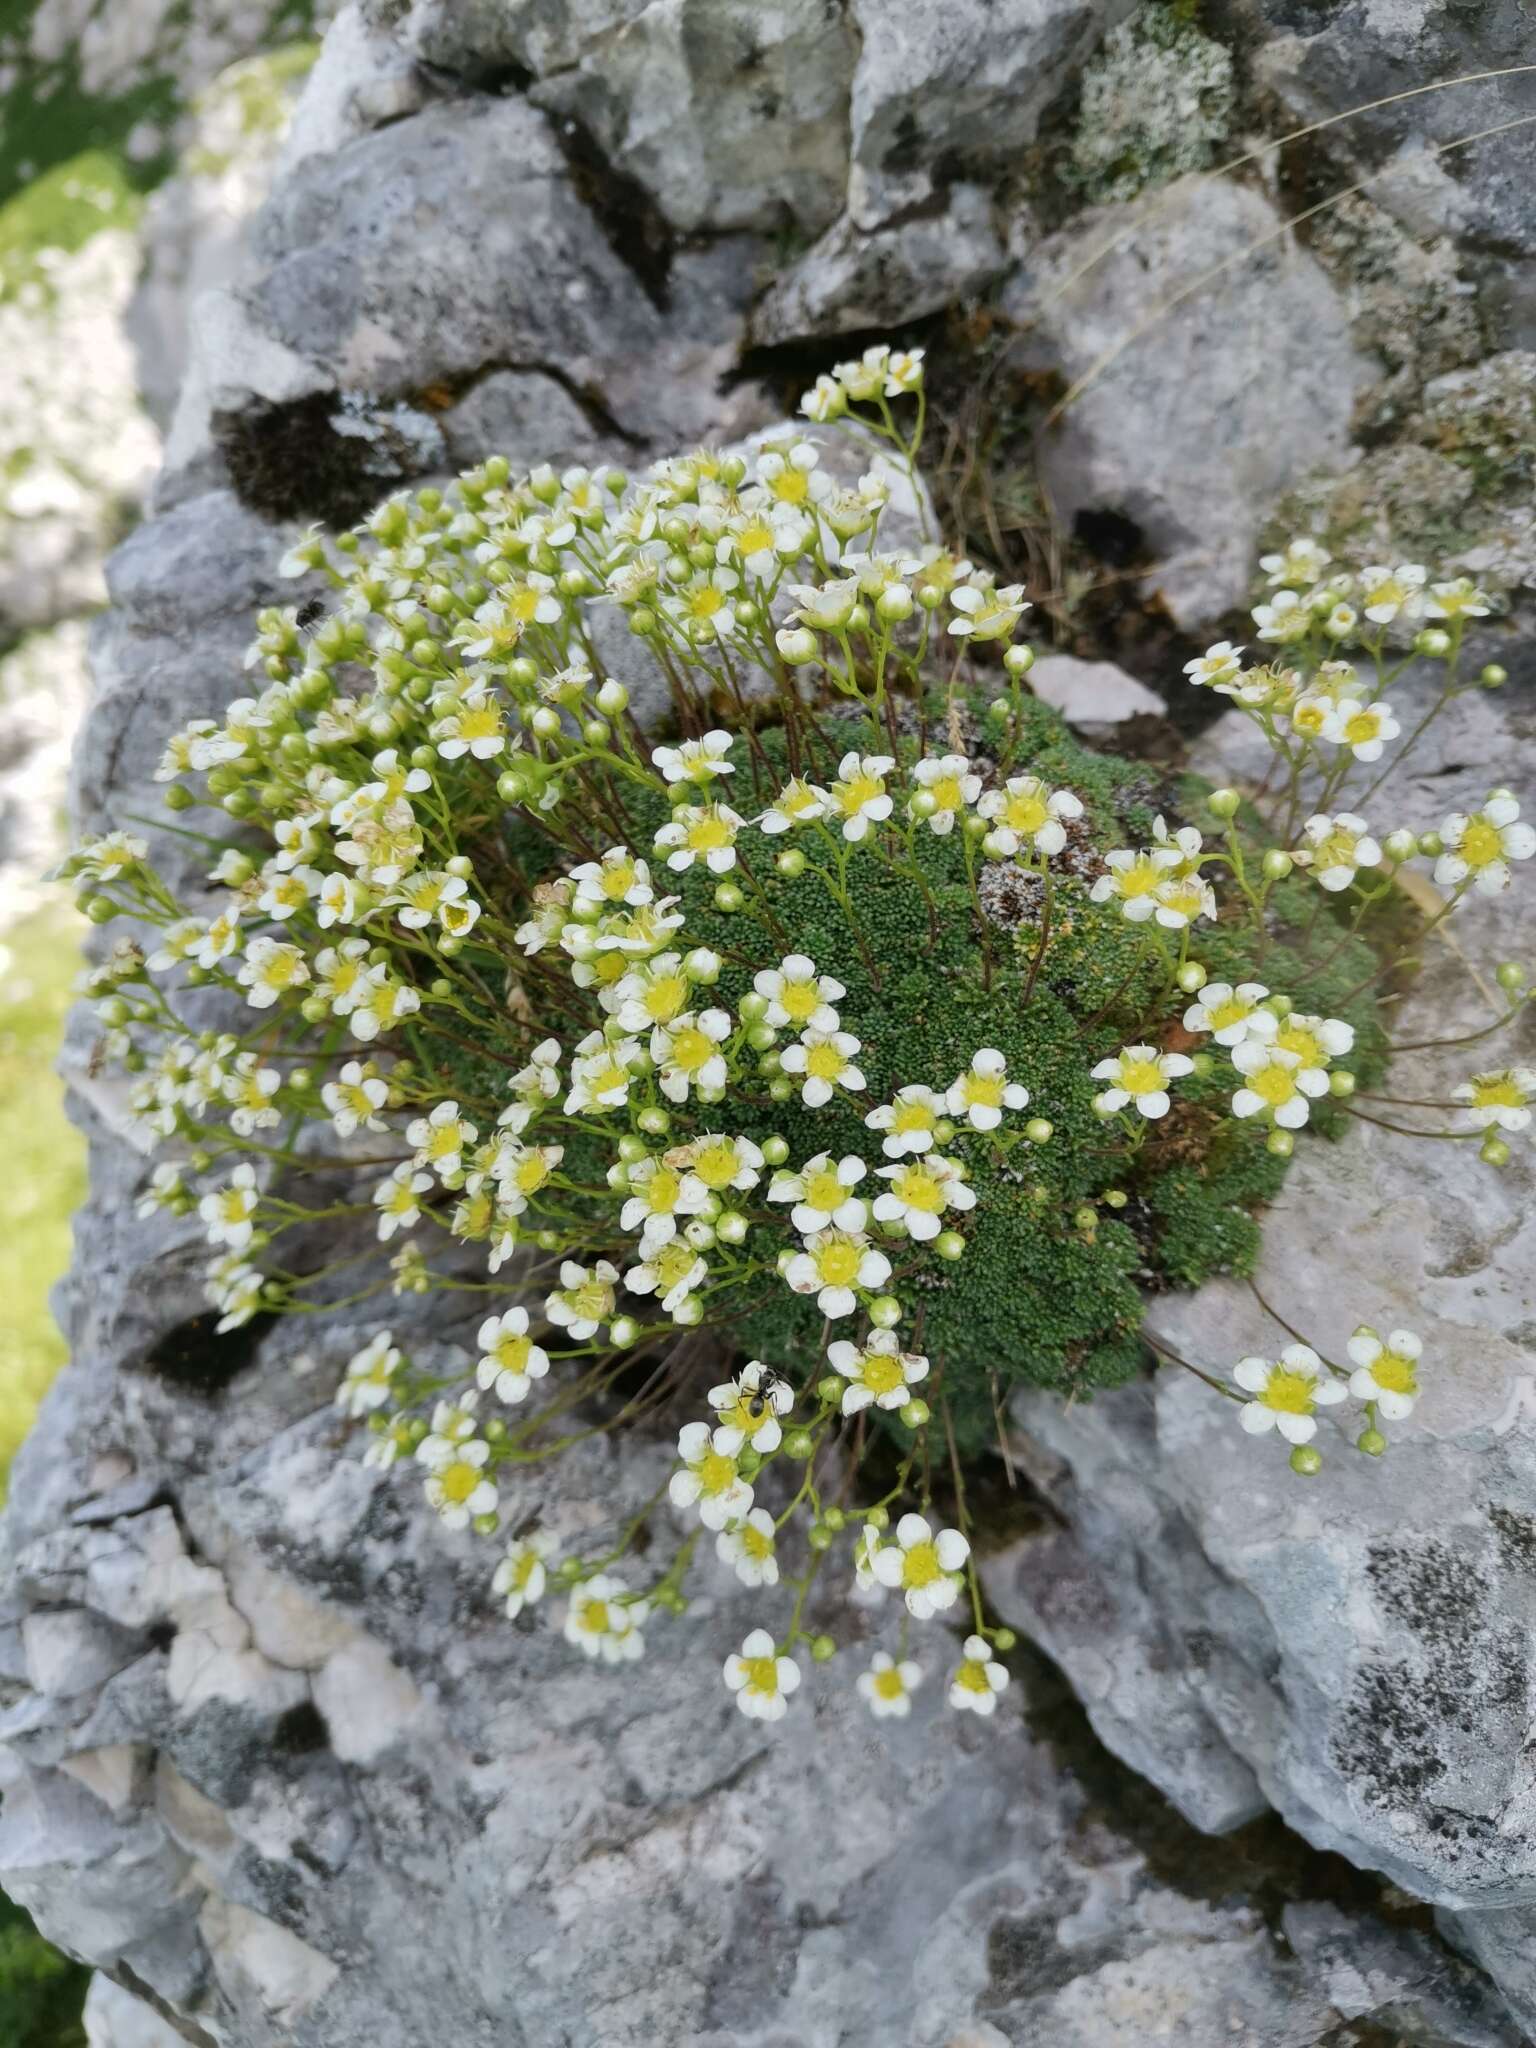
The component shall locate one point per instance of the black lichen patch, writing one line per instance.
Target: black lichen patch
(326, 456)
(201, 1359)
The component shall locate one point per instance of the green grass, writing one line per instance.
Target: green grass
(44, 1156)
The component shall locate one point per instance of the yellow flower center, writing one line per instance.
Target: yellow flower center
(762, 1672)
(1297, 1038)
(888, 1683)
(947, 793)
(1273, 1084)
(458, 1481)
(591, 1301)
(756, 1543)
(1233, 1011)
(1481, 844)
(511, 1353)
(531, 1173)
(824, 1191)
(1361, 726)
(691, 1048)
(673, 1264)
(1290, 1392)
(443, 1141)
(1394, 1374)
(912, 1116)
(1497, 1091)
(858, 791)
(1139, 879)
(984, 1091)
(917, 1188)
(1025, 812)
(706, 601)
(479, 722)
(823, 1063)
(755, 537)
(709, 833)
(1140, 1077)
(791, 486)
(717, 1165)
(716, 1472)
(594, 1616)
(618, 881)
(665, 998)
(881, 1372)
(1336, 851)
(972, 1676)
(608, 1080)
(920, 1565)
(662, 1191)
(524, 603)
(838, 1262)
(800, 1000)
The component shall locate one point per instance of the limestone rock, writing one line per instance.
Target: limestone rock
(1203, 275)
(728, 113)
(849, 280)
(1092, 695)
(1353, 1649)
(958, 90)
(114, 2018)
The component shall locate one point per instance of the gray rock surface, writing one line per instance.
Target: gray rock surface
(1092, 695)
(1355, 1649)
(1203, 274)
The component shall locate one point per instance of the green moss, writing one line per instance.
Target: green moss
(64, 209)
(41, 1991)
(46, 1168)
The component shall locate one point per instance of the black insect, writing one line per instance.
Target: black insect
(761, 1400)
(309, 613)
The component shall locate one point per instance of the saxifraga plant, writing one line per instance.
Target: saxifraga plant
(872, 1024)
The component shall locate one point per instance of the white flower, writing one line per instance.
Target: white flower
(1286, 1393)
(825, 401)
(748, 1408)
(797, 803)
(832, 1265)
(723, 1163)
(660, 1195)
(1501, 1098)
(983, 1092)
(510, 1361)
(1482, 846)
(953, 785)
(920, 1192)
(761, 1680)
(1314, 1042)
(457, 1485)
(695, 760)
(688, 1056)
(748, 1549)
(705, 832)
(1025, 809)
(1459, 599)
(887, 1687)
(1219, 665)
(619, 877)
(908, 1121)
(710, 1478)
(1277, 1085)
(166, 1186)
(601, 1072)
(471, 724)
(859, 797)
(1386, 1371)
(1283, 619)
(583, 1302)
(355, 1097)
(1302, 563)
(271, 968)
(879, 1373)
(825, 1058)
(1336, 848)
(1140, 1074)
(925, 1567)
(1388, 594)
(398, 1200)
(798, 996)
(441, 1139)
(1134, 879)
(672, 1272)
(1232, 1015)
(824, 607)
(788, 474)
(822, 1193)
(651, 992)
(521, 1578)
(522, 1171)
(987, 613)
(1363, 728)
(229, 1213)
(369, 1380)
(604, 1620)
(978, 1680)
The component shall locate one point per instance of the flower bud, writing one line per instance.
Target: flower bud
(1372, 1442)
(654, 1120)
(1223, 803)
(830, 1390)
(895, 604)
(791, 863)
(1306, 1461)
(1493, 1151)
(1280, 1143)
(1341, 1084)
(1039, 1130)
(729, 898)
(624, 1331)
(1510, 975)
(797, 645)
(775, 1151)
(1432, 844)
(1276, 865)
(612, 697)
(949, 1244)
(689, 1312)
(1192, 977)
(760, 1037)
(1434, 642)
(1493, 676)
(922, 803)
(1400, 845)
(732, 1228)
(885, 1311)
(799, 1444)
(1114, 1198)
(916, 1414)
(823, 1649)
(1019, 659)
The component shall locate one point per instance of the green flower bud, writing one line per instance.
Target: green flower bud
(732, 1228)
(1039, 1130)
(823, 1649)
(916, 1414)
(949, 1244)
(748, 1461)
(775, 1151)
(178, 798)
(830, 1390)
(799, 1444)
(1493, 1151)
(797, 645)
(1019, 659)
(1372, 1442)
(1432, 844)
(1276, 865)
(1510, 975)
(1306, 1461)
(1434, 642)
(1192, 977)
(1004, 1639)
(729, 898)
(1114, 1198)
(1281, 1143)
(780, 1088)
(1493, 676)
(791, 863)
(1223, 803)
(1341, 1084)
(760, 1037)
(654, 1120)
(642, 621)
(1400, 845)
